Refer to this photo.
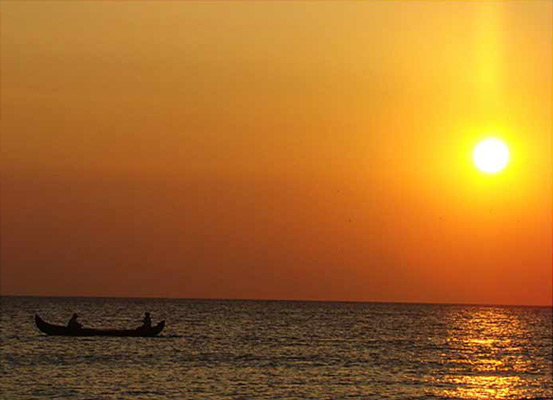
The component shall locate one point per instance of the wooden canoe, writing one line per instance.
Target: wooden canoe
(60, 330)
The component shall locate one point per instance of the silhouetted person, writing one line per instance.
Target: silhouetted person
(147, 321)
(73, 324)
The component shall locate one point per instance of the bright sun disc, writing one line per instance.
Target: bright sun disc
(491, 155)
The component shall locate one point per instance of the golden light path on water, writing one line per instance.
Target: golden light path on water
(489, 348)
(479, 387)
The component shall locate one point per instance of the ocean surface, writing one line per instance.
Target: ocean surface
(225, 349)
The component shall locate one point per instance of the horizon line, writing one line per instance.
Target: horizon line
(279, 300)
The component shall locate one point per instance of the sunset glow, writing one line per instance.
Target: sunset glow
(343, 150)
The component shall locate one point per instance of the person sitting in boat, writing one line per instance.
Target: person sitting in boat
(73, 323)
(147, 321)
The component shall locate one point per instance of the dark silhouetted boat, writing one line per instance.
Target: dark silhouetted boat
(60, 330)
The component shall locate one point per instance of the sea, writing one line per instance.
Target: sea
(234, 349)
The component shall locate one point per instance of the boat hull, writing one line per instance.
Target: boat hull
(59, 330)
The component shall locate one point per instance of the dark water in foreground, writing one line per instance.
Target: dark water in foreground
(275, 350)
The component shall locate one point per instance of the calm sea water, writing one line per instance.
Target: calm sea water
(214, 349)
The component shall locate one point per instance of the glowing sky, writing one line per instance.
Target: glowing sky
(283, 150)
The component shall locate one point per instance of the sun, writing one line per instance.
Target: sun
(491, 155)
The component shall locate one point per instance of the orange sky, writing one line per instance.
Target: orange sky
(276, 150)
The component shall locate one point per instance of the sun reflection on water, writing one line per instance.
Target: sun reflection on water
(479, 387)
(487, 353)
